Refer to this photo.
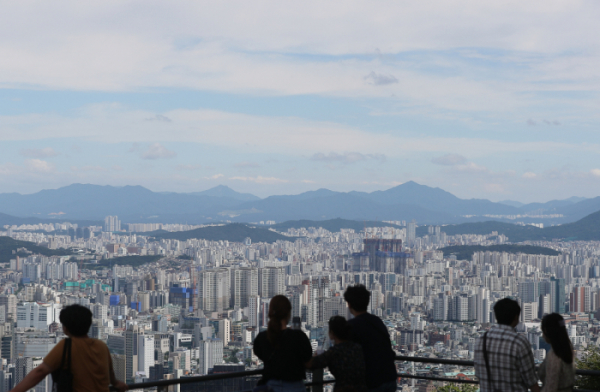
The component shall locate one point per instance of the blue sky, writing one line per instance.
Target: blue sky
(482, 99)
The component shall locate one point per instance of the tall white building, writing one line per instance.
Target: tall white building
(244, 284)
(254, 311)
(38, 316)
(213, 289)
(112, 223)
(271, 281)
(210, 354)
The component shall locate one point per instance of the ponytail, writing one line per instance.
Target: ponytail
(280, 310)
(553, 326)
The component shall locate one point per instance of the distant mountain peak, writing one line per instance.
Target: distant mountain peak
(225, 191)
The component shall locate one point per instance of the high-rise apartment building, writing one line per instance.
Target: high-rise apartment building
(271, 281)
(244, 284)
(112, 223)
(213, 289)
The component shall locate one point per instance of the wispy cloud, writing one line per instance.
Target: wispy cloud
(247, 165)
(346, 157)
(214, 177)
(260, 180)
(158, 151)
(449, 160)
(380, 79)
(47, 152)
(159, 118)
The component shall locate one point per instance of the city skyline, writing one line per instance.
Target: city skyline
(271, 100)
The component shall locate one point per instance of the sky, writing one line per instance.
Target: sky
(484, 99)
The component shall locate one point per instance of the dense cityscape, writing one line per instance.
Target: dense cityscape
(195, 307)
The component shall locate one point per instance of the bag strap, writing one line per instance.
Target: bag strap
(487, 362)
(66, 357)
(70, 354)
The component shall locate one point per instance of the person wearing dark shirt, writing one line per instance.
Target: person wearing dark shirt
(283, 351)
(345, 359)
(372, 335)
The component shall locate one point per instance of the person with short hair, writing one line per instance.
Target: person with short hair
(509, 357)
(557, 372)
(345, 359)
(284, 351)
(372, 335)
(91, 363)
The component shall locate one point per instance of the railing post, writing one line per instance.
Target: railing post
(317, 379)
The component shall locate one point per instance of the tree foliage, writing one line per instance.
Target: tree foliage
(458, 388)
(589, 361)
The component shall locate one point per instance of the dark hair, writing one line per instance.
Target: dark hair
(358, 297)
(77, 319)
(506, 310)
(339, 327)
(553, 326)
(280, 309)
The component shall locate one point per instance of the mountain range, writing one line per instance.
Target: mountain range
(136, 204)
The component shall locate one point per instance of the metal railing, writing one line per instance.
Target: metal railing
(317, 381)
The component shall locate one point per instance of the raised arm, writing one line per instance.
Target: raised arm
(33, 378)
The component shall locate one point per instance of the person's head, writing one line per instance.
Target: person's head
(358, 298)
(339, 328)
(507, 312)
(280, 311)
(555, 333)
(76, 320)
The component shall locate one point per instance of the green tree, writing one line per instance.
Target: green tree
(459, 388)
(590, 360)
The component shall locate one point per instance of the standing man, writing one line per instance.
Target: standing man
(370, 332)
(510, 365)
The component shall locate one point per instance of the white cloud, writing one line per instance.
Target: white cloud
(47, 152)
(39, 166)
(214, 177)
(346, 157)
(529, 175)
(595, 172)
(256, 48)
(260, 180)
(99, 123)
(157, 151)
(449, 160)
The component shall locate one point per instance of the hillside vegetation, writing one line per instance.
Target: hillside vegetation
(332, 225)
(464, 252)
(585, 229)
(234, 232)
(7, 245)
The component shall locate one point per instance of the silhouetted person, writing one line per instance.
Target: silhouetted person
(345, 359)
(284, 351)
(373, 337)
(509, 361)
(91, 363)
(557, 372)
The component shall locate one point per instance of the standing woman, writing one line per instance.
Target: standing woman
(283, 351)
(557, 372)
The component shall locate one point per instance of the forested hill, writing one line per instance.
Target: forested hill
(235, 232)
(585, 229)
(464, 252)
(8, 245)
(332, 225)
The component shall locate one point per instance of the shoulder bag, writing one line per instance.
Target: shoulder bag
(62, 377)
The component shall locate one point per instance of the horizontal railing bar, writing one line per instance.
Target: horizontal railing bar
(435, 360)
(460, 380)
(223, 376)
(188, 380)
